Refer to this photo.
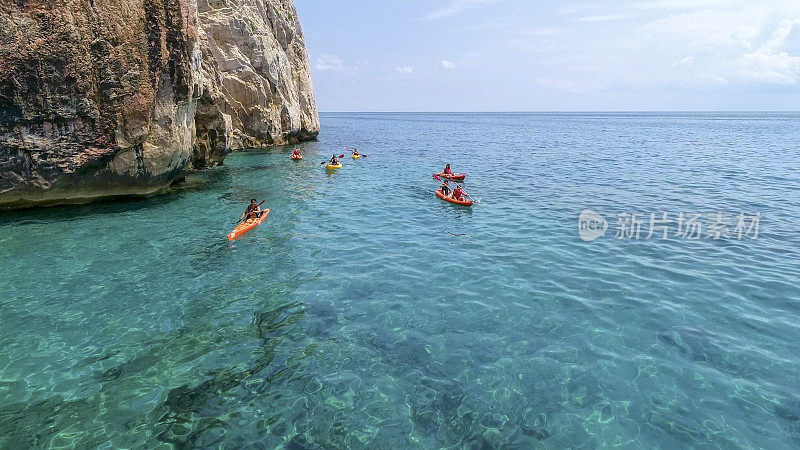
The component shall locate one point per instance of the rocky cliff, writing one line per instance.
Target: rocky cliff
(256, 75)
(101, 98)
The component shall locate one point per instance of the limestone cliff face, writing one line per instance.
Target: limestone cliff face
(102, 98)
(257, 85)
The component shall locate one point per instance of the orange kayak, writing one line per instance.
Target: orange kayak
(297, 156)
(453, 176)
(246, 226)
(452, 200)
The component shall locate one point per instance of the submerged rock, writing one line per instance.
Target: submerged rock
(102, 99)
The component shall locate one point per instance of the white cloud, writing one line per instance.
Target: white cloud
(577, 9)
(568, 85)
(447, 64)
(606, 18)
(683, 44)
(695, 5)
(716, 79)
(681, 4)
(785, 6)
(708, 28)
(455, 7)
(325, 62)
(776, 61)
(771, 68)
(404, 69)
(733, 43)
(549, 31)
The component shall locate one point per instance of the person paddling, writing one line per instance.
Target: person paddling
(459, 193)
(333, 161)
(355, 152)
(447, 170)
(296, 152)
(445, 187)
(253, 211)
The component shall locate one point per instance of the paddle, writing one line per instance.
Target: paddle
(360, 154)
(436, 176)
(439, 179)
(328, 161)
(243, 218)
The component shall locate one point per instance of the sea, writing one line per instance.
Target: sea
(622, 280)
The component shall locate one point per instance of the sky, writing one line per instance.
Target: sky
(528, 55)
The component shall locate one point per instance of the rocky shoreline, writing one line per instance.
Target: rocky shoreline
(123, 97)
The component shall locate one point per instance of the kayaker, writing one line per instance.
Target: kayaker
(458, 194)
(445, 187)
(355, 152)
(447, 170)
(334, 161)
(253, 211)
(296, 152)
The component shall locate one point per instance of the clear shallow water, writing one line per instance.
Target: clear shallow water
(367, 313)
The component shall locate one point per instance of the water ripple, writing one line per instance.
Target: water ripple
(367, 313)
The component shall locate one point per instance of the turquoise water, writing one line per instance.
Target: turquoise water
(367, 313)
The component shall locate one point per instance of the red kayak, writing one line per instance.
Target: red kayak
(452, 200)
(453, 176)
(297, 156)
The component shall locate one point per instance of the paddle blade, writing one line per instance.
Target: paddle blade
(437, 177)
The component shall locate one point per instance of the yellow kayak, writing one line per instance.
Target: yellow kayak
(333, 167)
(356, 156)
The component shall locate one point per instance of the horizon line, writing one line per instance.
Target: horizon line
(632, 111)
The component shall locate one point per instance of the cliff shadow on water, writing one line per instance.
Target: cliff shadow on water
(193, 182)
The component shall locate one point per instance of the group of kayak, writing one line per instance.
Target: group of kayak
(446, 193)
(333, 163)
(253, 216)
